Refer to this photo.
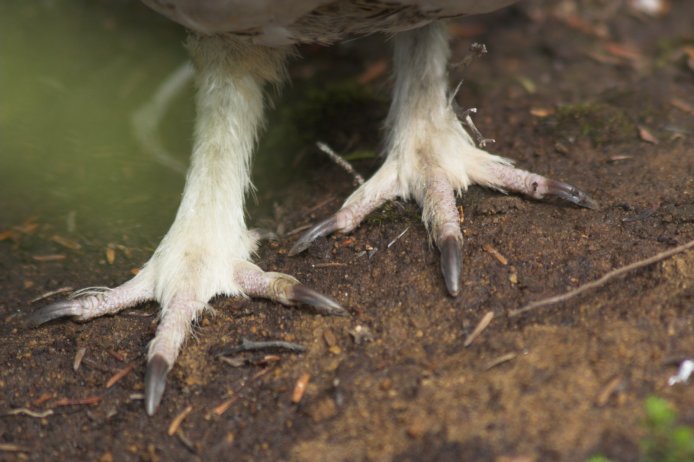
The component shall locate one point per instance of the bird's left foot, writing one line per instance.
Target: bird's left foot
(431, 157)
(432, 165)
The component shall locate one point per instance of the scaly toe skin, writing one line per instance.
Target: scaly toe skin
(91, 303)
(509, 178)
(284, 289)
(155, 382)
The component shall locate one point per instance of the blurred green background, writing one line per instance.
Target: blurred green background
(73, 74)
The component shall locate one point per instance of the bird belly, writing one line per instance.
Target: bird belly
(282, 22)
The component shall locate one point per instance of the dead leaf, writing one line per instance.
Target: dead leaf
(176, 422)
(373, 71)
(623, 51)
(7, 234)
(119, 375)
(54, 257)
(65, 242)
(110, 254)
(681, 105)
(541, 111)
(647, 136)
(300, 388)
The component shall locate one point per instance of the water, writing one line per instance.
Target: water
(73, 73)
(78, 79)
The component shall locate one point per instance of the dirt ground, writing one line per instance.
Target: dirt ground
(591, 93)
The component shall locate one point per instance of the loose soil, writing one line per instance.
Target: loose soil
(570, 90)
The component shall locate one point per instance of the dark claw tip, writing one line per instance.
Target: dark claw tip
(155, 382)
(321, 229)
(51, 312)
(451, 249)
(322, 303)
(571, 194)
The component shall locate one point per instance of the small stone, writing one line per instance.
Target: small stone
(361, 334)
(329, 338)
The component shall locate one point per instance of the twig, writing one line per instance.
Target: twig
(332, 264)
(249, 345)
(500, 360)
(29, 412)
(475, 51)
(176, 422)
(603, 280)
(89, 400)
(397, 238)
(62, 290)
(341, 162)
(300, 388)
(495, 253)
(120, 374)
(298, 230)
(224, 406)
(186, 441)
(467, 120)
(483, 324)
(10, 447)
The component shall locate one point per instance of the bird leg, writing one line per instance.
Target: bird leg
(206, 251)
(431, 158)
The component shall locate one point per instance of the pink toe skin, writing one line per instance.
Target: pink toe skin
(95, 303)
(537, 186)
(285, 289)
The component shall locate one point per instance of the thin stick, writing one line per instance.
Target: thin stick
(178, 420)
(397, 238)
(29, 412)
(603, 280)
(475, 51)
(467, 120)
(486, 319)
(250, 345)
(341, 162)
(62, 290)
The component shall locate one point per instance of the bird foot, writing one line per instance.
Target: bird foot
(432, 170)
(179, 309)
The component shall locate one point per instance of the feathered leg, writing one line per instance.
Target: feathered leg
(430, 156)
(206, 251)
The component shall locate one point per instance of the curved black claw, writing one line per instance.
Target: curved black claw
(155, 382)
(570, 193)
(51, 312)
(451, 263)
(321, 229)
(323, 304)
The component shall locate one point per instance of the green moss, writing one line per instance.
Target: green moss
(666, 441)
(327, 110)
(600, 122)
(320, 109)
(394, 213)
